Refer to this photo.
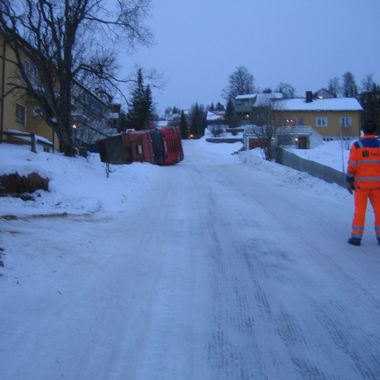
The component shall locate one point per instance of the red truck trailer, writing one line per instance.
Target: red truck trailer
(139, 146)
(173, 151)
(160, 146)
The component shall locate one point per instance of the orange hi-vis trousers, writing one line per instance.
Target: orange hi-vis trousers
(361, 199)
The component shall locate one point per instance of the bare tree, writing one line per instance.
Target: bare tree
(68, 41)
(350, 88)
(334, 86)
(368, 83)
(266, 130)
(286, 89)
(240, 83)
(269, 135)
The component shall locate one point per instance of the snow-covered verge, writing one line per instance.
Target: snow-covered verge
(80, 186)
(289, 176)
(76, 185)
(228, 267)
(332, 153)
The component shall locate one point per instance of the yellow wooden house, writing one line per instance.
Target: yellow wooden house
(19, 117)
(21, 120)
(331, 118)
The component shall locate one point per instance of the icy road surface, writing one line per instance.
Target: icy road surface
(222, 271)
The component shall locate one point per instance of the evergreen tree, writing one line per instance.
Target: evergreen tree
(370, 101)
(193, 120)
(122, 122)
(219, 107)
(175, 110)
(230, 115)
(148, 106)
(183, 126)
(198, 122)
(141, 105)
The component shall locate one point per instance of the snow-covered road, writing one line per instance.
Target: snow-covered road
(222, 271)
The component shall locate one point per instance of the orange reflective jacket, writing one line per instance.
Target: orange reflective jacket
(364, 163)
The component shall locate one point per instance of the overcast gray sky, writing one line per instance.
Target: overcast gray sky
(199, 43)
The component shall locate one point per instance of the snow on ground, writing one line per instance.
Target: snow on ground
(331, 153)
(224, 266)
(77, 185)
(328, 156)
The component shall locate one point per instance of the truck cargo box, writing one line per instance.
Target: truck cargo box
(138, 144)
(161, 146)
(112, 150)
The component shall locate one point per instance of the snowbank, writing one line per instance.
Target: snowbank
(288, 176)
(331, 153)
(77, 185)
(80, 186)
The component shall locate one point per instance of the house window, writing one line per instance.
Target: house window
(32, 74)
(21, 114)
(321, 121)
(26, 67)
(290, 122)
(345, 121)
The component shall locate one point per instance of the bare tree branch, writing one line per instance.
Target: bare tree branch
(64, 42)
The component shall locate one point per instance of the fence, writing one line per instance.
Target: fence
(315, 169)
(25, 137)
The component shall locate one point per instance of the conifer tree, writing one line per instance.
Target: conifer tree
(141, 105)
(183, 126)
(230, 116)
(148, 106)
(198, 122)
(219, 107)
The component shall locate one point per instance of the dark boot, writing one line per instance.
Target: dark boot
(355, 241)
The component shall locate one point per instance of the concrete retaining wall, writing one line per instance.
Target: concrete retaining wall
(313, 168)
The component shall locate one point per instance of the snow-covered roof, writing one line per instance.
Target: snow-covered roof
(331, 104)
(260, 100)
(271, 95)
(212, 116)
(161, 123)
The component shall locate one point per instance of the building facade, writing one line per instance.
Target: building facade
(303, 122)
(332, 118)
(18, 114)
(21, 118)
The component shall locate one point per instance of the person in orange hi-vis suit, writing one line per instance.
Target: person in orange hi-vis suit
(363, 177)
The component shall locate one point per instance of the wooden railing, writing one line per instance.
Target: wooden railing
(31, 136)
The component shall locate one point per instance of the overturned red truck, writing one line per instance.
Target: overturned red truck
(160, 146)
